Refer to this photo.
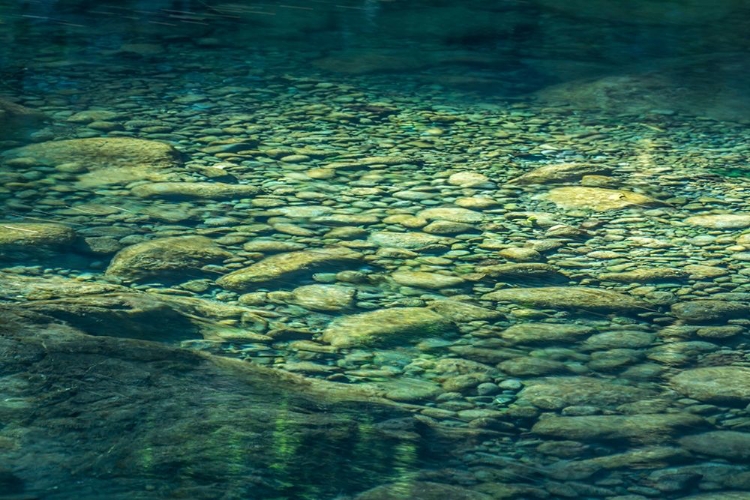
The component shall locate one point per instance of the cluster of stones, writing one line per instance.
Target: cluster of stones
(579, 307)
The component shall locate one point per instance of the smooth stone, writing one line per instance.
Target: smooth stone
(25, 236)
(530, 333)
(731, 445)
(563, 172)
(715, 384)
(476, 202)
(166, 258)
(597, 199)
(324, 297)
(639, 428)
(555, 393)
(284, 266)
(720, 495)
(587, 299)
(419, 279)
(700, 272)
(194, 190)
(703, 311)
(723, 221)
(109, 160)
(386, 326)
(452, 214)
(409, 241)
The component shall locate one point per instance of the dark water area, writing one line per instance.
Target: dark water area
(374, 250)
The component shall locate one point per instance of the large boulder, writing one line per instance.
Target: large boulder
(128, 417)
(173, 259)
(386, 326)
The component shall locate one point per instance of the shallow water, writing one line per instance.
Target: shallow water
(374, 250)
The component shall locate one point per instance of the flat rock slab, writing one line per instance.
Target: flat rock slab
(597, 199)
(649, 428)
(194, 190)
(109, 160)
(287, 265)
(581, 298)
(386, 326)
(555, 393)
(715, 384)
(174, 259)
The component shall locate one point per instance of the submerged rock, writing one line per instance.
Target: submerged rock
(723, 221)
(15, 119)
(410, 241)
(174, 259)
(528, 273)
(715, 384)
(324, 297)
(731, 445)
(563, 172)
(420, 490)
(555, 393)
(586, 299)
(286, 265)
(194, 190)
(108, 160)
(646, 275)
(420, 279)
(597, 199)
(386, 326)
(707, 311)
(651, 428)
(528, 333)
(200, 410)
(23, 238)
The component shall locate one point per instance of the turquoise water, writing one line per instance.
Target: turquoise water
(374, 250)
